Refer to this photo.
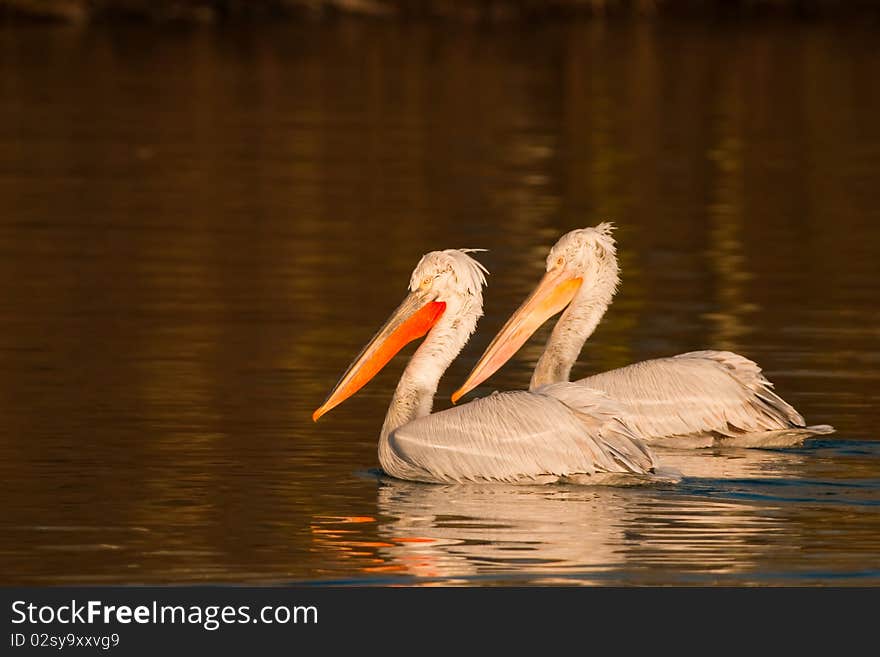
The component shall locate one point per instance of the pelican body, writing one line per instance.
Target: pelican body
(558, 432)
(693, 399)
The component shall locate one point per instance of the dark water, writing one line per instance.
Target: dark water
(198, 231)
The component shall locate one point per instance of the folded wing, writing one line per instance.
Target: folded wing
(520, 436)
(698, 393)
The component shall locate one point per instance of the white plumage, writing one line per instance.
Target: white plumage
(713, 394)
(560, 432)
(518, 436)
(693, 399)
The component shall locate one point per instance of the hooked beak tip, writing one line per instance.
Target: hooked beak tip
(457, 395)
(317, 414)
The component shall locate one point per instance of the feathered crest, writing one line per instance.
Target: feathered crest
(482, 272)
(468, 271)
(606, 228)
(605, 235)
(578, 245)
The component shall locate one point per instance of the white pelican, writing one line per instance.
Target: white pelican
(545, 435)
(691, 399)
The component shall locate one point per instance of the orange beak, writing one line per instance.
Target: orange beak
(412, 319)
(553, 294)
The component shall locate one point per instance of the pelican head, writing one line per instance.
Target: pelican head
(445, 291)
(581, 263)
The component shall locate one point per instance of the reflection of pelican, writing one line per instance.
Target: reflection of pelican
(577, 534)
(702, 394)
(544, 435)
(454, 532)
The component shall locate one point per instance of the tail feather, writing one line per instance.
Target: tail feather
(749, 374)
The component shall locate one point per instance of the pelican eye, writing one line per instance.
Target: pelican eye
(560, 261)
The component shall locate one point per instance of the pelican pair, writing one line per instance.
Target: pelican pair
(585, 431)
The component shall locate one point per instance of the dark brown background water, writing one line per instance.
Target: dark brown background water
(199, 230)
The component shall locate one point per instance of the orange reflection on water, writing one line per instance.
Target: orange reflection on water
(344, 519)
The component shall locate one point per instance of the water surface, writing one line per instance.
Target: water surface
(200, 229)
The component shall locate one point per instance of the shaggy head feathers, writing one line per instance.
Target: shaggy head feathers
(451, 271)
(578, 248)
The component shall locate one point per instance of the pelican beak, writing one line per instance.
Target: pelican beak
(413, 318)
(553, 294)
